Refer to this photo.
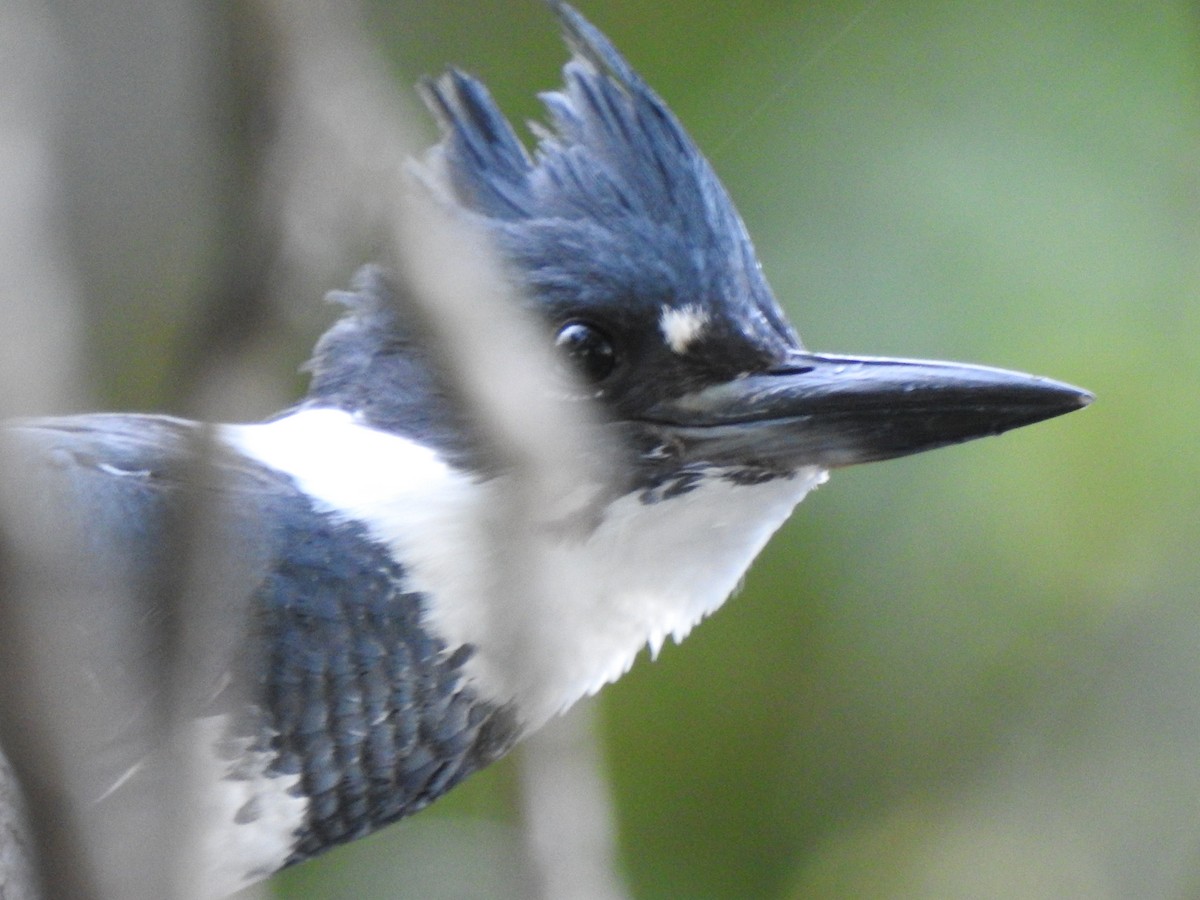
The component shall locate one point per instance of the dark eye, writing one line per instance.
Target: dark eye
(588, 349)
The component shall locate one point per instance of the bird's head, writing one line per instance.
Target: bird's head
(627, 247)
(628, 252)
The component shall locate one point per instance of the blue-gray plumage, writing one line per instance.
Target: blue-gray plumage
(377, 670)
(617, 215)
(354, 696)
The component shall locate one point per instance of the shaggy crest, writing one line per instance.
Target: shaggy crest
(615, 204)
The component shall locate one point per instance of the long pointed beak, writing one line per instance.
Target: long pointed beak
(839, 410)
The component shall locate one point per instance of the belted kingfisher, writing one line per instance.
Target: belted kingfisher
(380, 670)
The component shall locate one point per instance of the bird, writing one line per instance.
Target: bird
(381, 670)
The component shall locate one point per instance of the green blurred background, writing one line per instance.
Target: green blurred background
(974, 673)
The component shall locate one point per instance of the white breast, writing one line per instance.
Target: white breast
(648, 571)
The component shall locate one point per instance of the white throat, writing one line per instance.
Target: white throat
(648, 571)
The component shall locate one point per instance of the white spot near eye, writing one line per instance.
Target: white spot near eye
(680, 327)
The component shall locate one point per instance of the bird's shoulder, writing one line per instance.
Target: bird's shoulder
(337, 709)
